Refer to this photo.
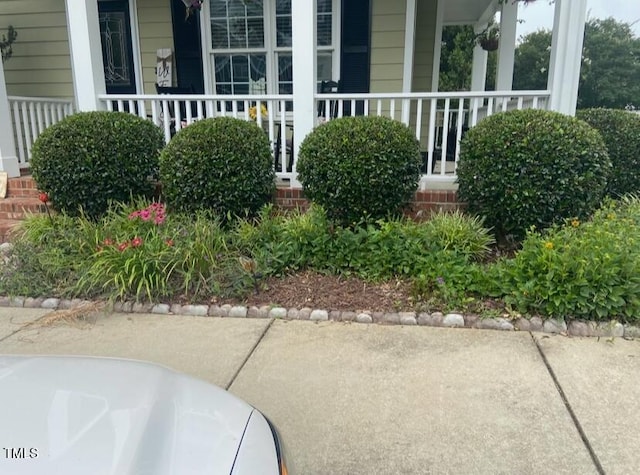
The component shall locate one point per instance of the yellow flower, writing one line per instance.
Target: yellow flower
(548, 245)
(575, 223)
(253, 111)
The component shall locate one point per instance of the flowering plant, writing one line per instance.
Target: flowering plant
(253, 112)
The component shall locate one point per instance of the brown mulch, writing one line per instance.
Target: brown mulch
(329, 292)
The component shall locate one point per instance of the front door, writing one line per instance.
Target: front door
(117, 48)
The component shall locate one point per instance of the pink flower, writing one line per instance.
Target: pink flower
(159, 219)
(134, 215)
(107, 242)
(123, 246)
(136, 242)
(145, 214)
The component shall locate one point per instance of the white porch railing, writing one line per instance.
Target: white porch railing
(30, 116)
(174, 112)
(439, 119)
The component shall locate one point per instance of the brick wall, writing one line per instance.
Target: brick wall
(424, 203)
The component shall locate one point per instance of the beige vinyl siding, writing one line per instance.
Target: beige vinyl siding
(387, 45)
(422, 79)
(41, 62)
(424, 45)
(155, 30)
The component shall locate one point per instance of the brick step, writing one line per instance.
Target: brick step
(23, 186)
(19, 207)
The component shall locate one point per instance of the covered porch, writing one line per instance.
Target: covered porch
(403, 65)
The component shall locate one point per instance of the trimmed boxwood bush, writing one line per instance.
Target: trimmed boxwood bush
(531, 168)
(360, 168)
(91, 158)
(222, 164)
(621, 133)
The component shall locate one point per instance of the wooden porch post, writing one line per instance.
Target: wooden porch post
(303, 19)
(8, 156)
(479, 66)
(86, 53)
(507, 49)
(566, 55)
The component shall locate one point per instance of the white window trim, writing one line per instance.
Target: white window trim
(271, 49)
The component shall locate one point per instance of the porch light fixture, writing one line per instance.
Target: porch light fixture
(6, 42)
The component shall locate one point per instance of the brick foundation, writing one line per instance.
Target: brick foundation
(424, 203)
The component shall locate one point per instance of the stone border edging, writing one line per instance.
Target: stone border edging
(610, 329)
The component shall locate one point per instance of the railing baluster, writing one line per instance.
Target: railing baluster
(459, 132)
(535, 102)
(445, 136)
(432, 136)
(392, 109)
(19, 130)
(419, 120)
(520, 102)
(166, 120)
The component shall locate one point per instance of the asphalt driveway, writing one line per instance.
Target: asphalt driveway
(371, 399)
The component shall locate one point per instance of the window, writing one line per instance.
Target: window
(251, 45)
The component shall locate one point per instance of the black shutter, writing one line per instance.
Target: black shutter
(355, 58)
(187, 47)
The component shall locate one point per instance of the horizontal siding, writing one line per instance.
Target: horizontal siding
(154, 24)
(423, 59)
(41, 64)
(424, 45)
(387, 45)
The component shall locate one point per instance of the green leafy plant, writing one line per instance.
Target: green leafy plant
(222, 164)
(531, 167)
(49, 254)
(360, 168)
(587, 270)
(90, 159)
(621, 133)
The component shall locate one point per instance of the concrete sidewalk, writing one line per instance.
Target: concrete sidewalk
(370, 399)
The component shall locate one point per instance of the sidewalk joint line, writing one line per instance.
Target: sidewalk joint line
(567, 405)
(253, 348)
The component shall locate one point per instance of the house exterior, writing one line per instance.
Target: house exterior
(234, 55)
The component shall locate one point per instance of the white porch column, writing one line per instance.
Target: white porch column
(507, 49)
(566, 55)
(303, 20)
(479, 65)
(437, 50)
(8, 156)
(86, 53)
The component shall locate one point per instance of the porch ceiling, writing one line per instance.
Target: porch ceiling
(465, 11)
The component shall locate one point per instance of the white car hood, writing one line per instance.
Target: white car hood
(110, 416)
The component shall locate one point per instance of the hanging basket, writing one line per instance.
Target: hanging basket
(489, 44)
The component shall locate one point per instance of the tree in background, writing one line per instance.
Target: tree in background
(610, 74)
(457, 57)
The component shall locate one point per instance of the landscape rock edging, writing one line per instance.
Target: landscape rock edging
(578, 328)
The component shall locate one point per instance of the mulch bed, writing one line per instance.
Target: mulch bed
(328, 292)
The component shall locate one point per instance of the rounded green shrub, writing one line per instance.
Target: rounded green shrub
(531, 168)
(621, 133)
(360, 168)
(222, 164)
(89, 159)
